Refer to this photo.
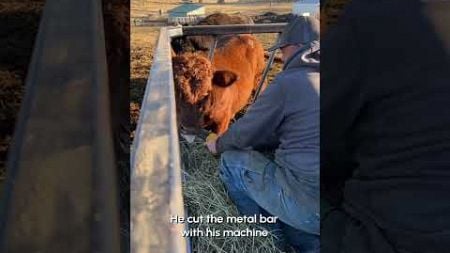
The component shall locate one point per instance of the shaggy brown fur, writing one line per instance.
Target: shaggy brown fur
(209, 95)
(195, 82)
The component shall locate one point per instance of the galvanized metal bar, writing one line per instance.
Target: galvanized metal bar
(175, 31)
(156, 193)
(265, 73)
(213, 48)
(61, 193)
(232, 29)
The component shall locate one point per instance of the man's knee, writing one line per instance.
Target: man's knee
(229, 161)
(234, 155)
(233, 159)
(233, 165)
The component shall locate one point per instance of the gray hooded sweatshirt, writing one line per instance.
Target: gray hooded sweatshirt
(286, 117)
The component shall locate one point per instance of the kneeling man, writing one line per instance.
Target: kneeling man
(285, 118)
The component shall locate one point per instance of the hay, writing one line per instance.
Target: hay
(204, 194)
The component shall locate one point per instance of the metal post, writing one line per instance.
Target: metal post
(213, 48)
(266, 72)
(155, 190)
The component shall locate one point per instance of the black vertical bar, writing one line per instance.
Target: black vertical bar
(265, 73)
(213, 47)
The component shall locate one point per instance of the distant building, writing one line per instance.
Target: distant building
(186, 13)
(214, 1)
(306, 7)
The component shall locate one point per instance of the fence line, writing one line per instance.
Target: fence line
(156, 192)
(184, 20)
(232, 29)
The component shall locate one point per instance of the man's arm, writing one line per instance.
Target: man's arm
(257, 128)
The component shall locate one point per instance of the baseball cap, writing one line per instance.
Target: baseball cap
(300, 30)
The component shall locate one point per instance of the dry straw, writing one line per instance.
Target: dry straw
(204, 194)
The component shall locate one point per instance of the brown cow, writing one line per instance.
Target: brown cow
(210, 94)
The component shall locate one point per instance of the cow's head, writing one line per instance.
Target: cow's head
(194, 78)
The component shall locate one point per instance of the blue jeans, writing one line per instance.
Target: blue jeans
(249, 179)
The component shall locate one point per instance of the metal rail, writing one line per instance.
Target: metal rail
(232, 29)
(156, 192)
(213, 48)
(60, 193)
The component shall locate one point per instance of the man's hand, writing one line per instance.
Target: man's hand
(211, 142)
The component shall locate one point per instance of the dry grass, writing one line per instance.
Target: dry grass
(143, 40)
(205, 195)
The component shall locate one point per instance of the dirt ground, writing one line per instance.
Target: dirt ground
(143, 42)
(152, 8)
(19, 24)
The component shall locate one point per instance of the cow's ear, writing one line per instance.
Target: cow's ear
(224, 78)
